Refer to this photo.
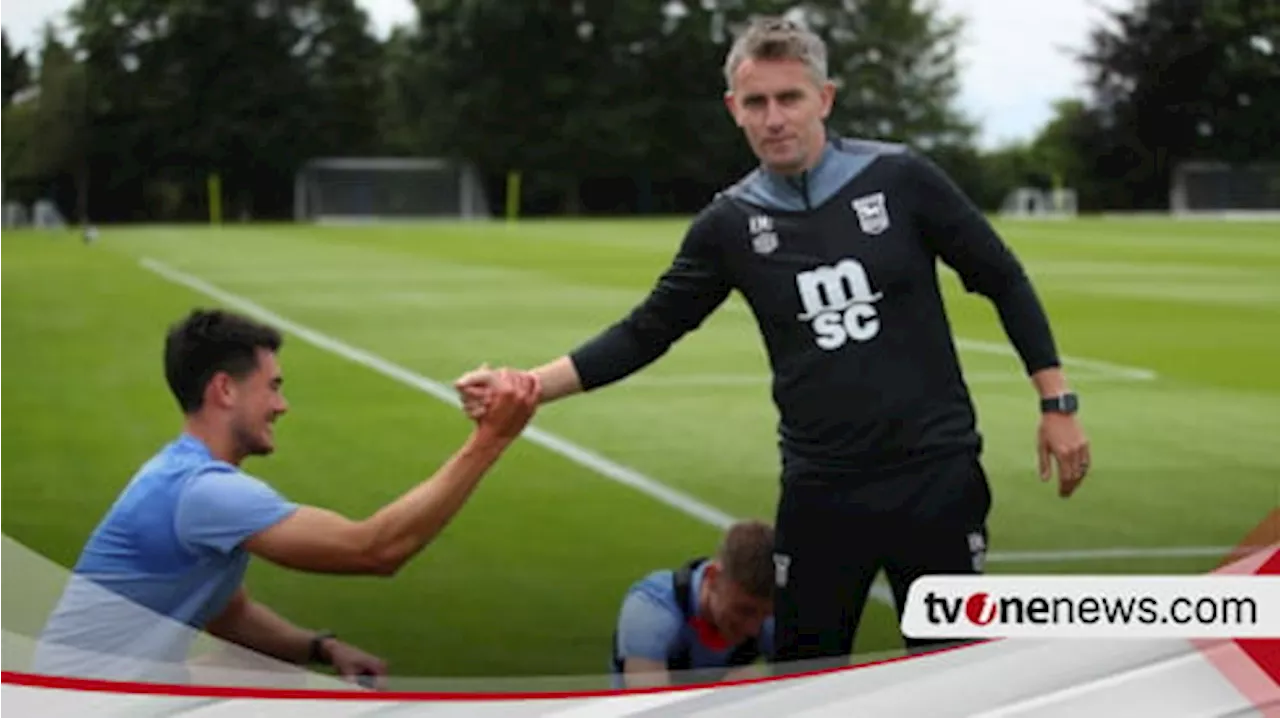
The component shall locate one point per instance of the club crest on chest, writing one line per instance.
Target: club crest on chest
(872, 212)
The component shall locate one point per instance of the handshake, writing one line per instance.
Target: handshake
(500, 401)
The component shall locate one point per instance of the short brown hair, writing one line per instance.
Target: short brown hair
(746, 557)
(777, 38)
(208, 341)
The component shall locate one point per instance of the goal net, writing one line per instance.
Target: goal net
(376, 189)
(1218, 188)
(16, 215)
(42, 214)
(1033, 202)
(45, 215)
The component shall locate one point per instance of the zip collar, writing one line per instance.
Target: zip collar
(800, 182)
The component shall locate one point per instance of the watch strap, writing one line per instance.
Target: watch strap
(316, 654)
(1068, 403)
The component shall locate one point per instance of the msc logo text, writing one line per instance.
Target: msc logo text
(839, 303)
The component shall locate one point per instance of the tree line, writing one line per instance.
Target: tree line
(603, 106)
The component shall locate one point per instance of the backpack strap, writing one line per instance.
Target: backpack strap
(682, 584)
(746, 653)
(682, 588)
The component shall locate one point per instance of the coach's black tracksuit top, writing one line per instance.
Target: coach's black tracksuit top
(838, 267)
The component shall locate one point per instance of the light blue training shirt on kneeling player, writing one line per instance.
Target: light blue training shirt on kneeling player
(652, 624)
(160, 565)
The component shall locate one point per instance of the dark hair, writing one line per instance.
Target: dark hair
(746, 557)
(209, 341)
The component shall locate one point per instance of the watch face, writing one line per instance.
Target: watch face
(1066, 403)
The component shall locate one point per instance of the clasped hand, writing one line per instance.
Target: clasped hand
(504, 399)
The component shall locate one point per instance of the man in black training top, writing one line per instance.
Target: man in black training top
(833, 243)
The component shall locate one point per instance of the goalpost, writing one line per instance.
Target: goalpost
(379, 189)
(42, 214)
(1031, 202)
(1220, 189)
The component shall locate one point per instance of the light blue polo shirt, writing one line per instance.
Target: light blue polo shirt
(651, 625)
(160, 565)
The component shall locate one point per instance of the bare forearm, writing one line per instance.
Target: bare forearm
(258, 628)
(559, 379)
(1050, 382)
(402, 528)
(645, 673)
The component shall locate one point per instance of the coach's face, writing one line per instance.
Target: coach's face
(259, 402)
(781, 109)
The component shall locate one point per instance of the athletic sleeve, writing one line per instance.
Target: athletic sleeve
(218, 510)
(692, 287)
(963, 238)
(646, 628)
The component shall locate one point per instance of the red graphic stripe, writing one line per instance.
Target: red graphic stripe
(1266, 651)
(1252, 665)
(36, 680)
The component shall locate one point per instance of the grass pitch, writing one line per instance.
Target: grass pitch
(1170, 329)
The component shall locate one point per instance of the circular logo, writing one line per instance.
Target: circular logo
(980, 609)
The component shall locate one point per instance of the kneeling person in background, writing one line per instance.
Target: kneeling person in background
(711, 616)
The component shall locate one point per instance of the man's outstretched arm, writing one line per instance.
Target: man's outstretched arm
(691, 288)
(219, 512)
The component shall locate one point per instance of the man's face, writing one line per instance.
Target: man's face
(258, 402)
(781, 110)
(736, 614)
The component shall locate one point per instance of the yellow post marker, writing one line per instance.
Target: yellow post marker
(215, 198)
(513, 196)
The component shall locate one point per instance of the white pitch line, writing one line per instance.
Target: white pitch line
(1006, 350)
(614, 471)
(605, 467)
(1131, 372)
(609, 469)
(658, 381)
(1108, 553)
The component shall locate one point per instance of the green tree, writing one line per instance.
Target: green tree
(574, 91)
(184, 88)
(1174, 80)
(895, 64)
(16, 69)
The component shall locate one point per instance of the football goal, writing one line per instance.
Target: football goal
(1031, 202)
(380, 189)
(1225, 190)
(16, 215)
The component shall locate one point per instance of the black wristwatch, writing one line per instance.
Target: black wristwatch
(1067, 403)
(317, 655)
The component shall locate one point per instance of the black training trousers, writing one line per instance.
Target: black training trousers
(834, 534)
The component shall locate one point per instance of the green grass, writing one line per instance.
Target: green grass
(527, 579)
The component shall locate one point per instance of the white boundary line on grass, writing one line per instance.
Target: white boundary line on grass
(614, 471)
(1120, 370)
(1006, 350)
(1063, 556)
(609, 469)
(659, 381)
